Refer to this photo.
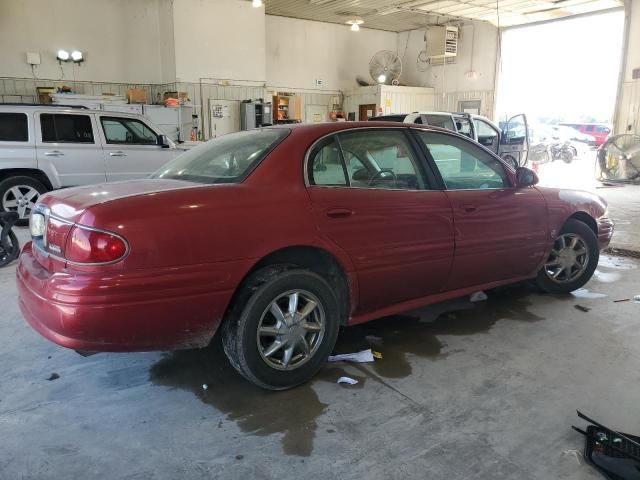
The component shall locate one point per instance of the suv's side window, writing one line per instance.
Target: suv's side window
(14, 127)
(127, 131)
(462, 164)
(65, 128)
(366, 159)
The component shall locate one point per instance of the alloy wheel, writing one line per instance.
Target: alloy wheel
(568, 259)
(21, 199)
(291, 329)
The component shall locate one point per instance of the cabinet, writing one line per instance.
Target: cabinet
(287, 108)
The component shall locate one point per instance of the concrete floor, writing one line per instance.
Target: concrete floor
(463, 391)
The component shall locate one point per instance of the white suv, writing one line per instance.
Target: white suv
(44, 147)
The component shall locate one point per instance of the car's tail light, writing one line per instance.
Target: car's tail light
(85, 245)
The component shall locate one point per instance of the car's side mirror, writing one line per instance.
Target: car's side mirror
(526, 177)
(163, 141)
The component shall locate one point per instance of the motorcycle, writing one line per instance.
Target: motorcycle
(562, 151)
(9, 246)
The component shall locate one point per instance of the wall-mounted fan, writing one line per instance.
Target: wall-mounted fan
(385, 67)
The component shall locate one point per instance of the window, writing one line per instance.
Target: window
(325, 164)
(442, 121)
(13, 127)
(463, 125)
(226, 159)
(602, 129)
(366, 159)
(589, 128)
(127, 131)
(64, 128)
(487, 135)
(463, 165)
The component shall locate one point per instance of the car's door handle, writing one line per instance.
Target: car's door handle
(339, 212)
(468, 208)
(117, 154)
(54, 153)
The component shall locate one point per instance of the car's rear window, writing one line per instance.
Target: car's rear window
(442, 121)
(227, 159)
(13, 127)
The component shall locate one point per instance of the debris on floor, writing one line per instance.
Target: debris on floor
(582, 308)
(585, 293)
(364, 356)
(377, 355)
(53, 376)
(614, 454)
(621, 300)
(478, 297)
(347, 380)
(205, 386)
(636, 299)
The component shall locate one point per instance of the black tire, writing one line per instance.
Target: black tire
(576, 227)
(19, 181)
(240, 328)
(8, 255)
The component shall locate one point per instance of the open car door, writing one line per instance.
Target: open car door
(514, 141)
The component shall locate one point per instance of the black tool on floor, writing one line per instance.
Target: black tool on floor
(9, 246)
(614, 454)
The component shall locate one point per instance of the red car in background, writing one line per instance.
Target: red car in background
(598, 131)
(279, 236)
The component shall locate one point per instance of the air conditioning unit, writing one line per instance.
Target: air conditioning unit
(442, 42)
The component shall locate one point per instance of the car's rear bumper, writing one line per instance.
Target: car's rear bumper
(143, 310)
(605, 232)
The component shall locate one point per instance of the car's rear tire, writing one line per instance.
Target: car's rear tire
(572, 261)
(277, 342)
(20, 194)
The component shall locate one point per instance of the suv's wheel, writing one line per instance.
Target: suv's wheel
(282, 327)
(572, 261)
(20, 194)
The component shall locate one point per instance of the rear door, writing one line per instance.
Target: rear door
(514, 141)
(131, 148)
(501, 231)
(67, 144)
(371, 196)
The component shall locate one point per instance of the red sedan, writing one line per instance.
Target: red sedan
(279, 236)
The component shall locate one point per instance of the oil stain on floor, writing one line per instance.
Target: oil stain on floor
(294, 413)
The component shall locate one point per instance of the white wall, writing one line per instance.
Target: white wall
(218, 39)
(119, 37)
(628, 102)
(479, 38)
(301, 51)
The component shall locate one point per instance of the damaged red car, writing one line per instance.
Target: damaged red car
(274, 238)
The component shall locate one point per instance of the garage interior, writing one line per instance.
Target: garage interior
(461, 389)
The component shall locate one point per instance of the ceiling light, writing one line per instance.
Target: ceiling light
(382, 78)
(355, 24)
(256, 3)
(63, 56)
(77, 56)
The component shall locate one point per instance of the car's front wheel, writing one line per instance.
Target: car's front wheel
(282, 327)
(572, 260)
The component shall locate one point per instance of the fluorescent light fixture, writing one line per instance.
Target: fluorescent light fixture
(63, 55)
(382, 78)
(355, 24)
(77, 56)
(256, 3)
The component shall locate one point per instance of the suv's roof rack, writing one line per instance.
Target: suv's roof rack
(42, 105)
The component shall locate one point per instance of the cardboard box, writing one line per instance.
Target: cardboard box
(137, 95)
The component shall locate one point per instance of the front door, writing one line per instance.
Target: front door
(66, 143)
(487, 135)
(131, 148)
(371, 197)
(514, 141)
(367, 111)
(501, 230)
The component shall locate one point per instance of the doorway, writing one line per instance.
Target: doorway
(367, 111)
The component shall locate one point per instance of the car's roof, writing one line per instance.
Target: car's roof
(78, 109)
(329, 127)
